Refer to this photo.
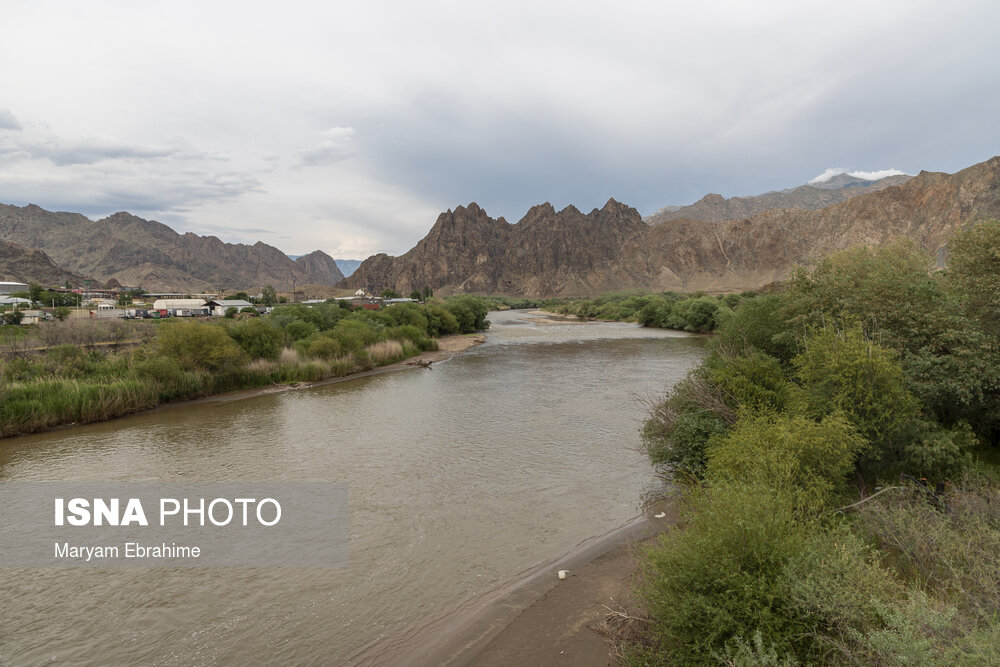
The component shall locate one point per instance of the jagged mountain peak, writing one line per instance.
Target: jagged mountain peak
(565, 254)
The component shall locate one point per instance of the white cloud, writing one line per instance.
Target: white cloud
(8, 121)
(876, 175)
(865, 175)
(828, 174)
(335, 147)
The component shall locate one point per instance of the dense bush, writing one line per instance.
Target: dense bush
(869, 369)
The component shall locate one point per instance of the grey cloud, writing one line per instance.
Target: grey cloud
(8, 121)
(65, 153)
(336, 147)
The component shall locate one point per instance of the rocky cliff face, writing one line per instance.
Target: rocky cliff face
(567, 253)
(150, 254)
(716, 208)
(24, 265)
(546, 252)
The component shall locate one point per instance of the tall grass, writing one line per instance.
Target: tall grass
(385, 352)
(26, 407)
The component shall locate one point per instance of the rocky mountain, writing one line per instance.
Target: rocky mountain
(23, 265)
(812, 196)
(146, 253)
(321, 267)
(566, 253)
(546, 252)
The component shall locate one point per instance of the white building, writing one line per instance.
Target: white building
(10, 288)
(219, 307)
(178, 304)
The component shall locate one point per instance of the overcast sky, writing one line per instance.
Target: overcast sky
(348, 126)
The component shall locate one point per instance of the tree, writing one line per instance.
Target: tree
(974, 271)
(35, 292)
(231, 312)
(390, 294)
(428, 292)
(125, 299)
(13, 317)
(62, 312)
(415, 295)
(268, 296)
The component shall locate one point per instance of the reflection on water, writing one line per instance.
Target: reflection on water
(460, 476)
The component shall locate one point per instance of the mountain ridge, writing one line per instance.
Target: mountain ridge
(148, 253)
(564, 253)
(811, 196)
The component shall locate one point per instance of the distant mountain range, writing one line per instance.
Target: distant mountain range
(348, 266)
(811, 196)
(716, 244)
(568, 253)
(138, 252)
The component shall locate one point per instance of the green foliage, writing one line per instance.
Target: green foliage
(321, 347)
(12, 316)
(974, 272)
(469, 311)
(873, 362)
(843, 371)
(755, 382)
(268, 296)
(299, 329)
(416, 295)
(808, 460)
(259, 338)
(35, 292)
(231, 312)
(761, 324)
(677, 432)
(390, 294)
(197, 345)
(440, 322)
(720, 577)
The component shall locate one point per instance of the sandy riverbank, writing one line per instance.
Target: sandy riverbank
(534, 618)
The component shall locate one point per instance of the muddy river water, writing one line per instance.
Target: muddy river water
(460, 476)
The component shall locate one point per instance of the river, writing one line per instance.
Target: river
(460, 476)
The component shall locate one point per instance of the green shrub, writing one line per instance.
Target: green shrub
(809, 461)
(198, 345)
(679, 427)
(844, 371)
(259, 338)
(720, 577)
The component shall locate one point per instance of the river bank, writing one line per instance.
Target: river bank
(536, 618)
(448, 346)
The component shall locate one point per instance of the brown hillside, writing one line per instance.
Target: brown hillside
(564, 253)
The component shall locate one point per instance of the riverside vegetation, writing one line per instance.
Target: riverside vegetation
(698, 312)
(833, 450)
(92, 370)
